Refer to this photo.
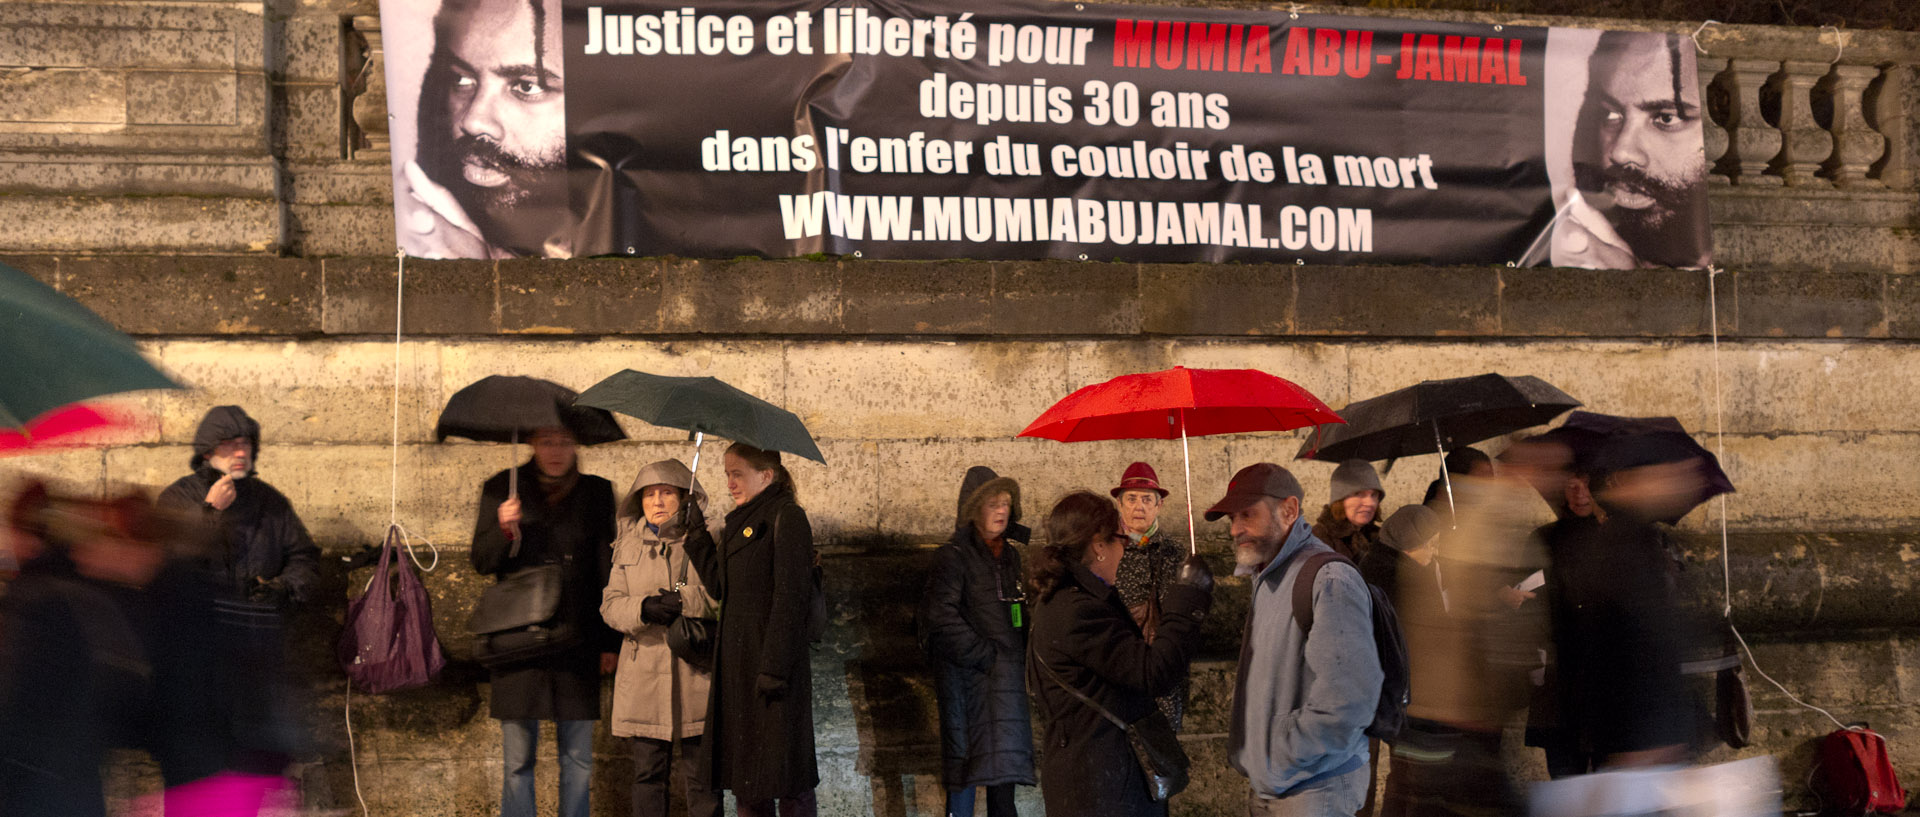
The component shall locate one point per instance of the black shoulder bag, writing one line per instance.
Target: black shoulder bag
(1155, 747)
(518, 618)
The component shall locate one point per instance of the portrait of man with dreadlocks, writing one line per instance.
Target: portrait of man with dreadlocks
(489, 175)
(1639, 164)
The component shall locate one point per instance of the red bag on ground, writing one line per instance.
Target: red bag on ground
(389, 644)
(1855, 775)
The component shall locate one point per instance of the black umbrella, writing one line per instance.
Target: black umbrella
(504, 409)
(1434, 415)
(1587, 434)
(703, 405)
(1638, 449)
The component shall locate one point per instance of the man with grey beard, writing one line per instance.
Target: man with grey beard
(1303, 695)
(490, 177)
(1638, 161)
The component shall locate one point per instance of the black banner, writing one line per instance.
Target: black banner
(1026, 129)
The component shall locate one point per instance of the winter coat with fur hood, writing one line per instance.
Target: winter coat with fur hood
(655, 695)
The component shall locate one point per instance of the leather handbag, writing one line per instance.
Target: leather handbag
(690, 638)
(517, 619)
(1163, 762)
(389, 644)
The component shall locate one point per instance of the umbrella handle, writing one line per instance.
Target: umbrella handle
(1445, 477)
(513, 470)
(693, 474)
(1186, 458)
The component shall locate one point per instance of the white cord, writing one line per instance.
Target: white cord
(1839, 43)
(1720, 451)
(393, 474)
(1695, 36)
(352, 756)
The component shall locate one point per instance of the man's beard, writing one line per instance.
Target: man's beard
(1668, 231)
(1248, 557)
(525, 213)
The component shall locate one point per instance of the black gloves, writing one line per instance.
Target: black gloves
(267, 591)
(1192, 589)
(661, 609)
(770, 688)
(1195, 573)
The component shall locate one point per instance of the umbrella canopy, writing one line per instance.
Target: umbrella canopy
(1152, 406)
(59, 352)
(704, 405)
(74, 425)
(1587, 434)
(1179, 403)
(1435, 415)
(1639, 449)
(502, 408)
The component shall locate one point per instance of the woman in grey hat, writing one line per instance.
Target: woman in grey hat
(1349, 522)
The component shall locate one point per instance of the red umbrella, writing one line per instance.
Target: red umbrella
(1181, 402)
(67, 426)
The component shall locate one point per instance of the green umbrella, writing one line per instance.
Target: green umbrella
(59, 352)
(703, 405)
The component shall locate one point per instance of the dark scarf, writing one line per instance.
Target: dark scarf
(555, 488)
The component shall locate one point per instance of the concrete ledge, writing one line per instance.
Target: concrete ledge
(964, 299)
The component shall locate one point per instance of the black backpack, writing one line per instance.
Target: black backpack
(1390, 714)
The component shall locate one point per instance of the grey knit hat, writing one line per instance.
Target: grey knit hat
(1352, 477)
(1411, 527)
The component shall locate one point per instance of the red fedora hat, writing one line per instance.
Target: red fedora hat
(1139, 477)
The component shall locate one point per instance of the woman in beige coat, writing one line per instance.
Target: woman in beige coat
(658, 699)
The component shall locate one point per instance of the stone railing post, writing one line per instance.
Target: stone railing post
(1886, 101)
(1856, 145)
(1805, 145)
(367, 87)
(1715, 137)
(1753, 143)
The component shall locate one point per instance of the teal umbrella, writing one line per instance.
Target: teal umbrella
(703, 405)
(58, 352)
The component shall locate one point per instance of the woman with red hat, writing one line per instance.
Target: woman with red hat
(1151, 560)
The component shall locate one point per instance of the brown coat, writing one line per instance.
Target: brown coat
(655, 695)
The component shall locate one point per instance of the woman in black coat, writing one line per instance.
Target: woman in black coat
(1083, 635)
(760, 713)
(561, 517)
(973, 627)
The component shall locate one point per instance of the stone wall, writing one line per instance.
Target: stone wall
(211, 177)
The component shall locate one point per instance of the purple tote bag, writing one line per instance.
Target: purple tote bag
(389, 644)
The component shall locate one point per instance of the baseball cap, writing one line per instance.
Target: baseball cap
(1254, 482)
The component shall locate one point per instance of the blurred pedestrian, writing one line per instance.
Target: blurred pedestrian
(1085, 638)
(1301, 700)
(1152, 560)
(760, 717)
(1617, 643)
(1349, 522)
(1465, 461)
(80, 669)
(659, 699)
(566, 518)
(973, 619)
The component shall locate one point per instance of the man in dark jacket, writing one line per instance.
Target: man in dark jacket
(973, 627)
(559, 517)
(257, 554)
(257, 545)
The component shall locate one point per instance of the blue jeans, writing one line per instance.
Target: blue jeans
(517, 742)
(999, 801)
